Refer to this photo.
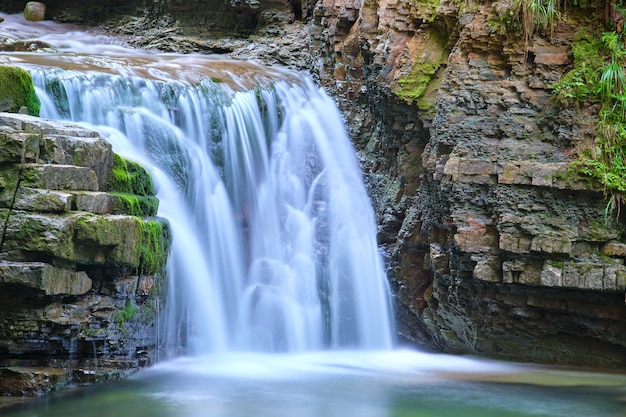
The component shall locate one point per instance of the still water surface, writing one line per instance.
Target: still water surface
(384, 384)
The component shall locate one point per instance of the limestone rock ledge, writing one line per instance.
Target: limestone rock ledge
(81, 258)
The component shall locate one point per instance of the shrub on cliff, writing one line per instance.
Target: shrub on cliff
(17, 91)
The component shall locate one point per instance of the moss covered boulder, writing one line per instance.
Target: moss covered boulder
(17, 91)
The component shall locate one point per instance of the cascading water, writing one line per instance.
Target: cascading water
(274, 241)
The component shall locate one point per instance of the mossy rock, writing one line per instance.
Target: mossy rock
(130, 178)
(123, 240)
(420, 84)
(155, 244)
(17, 90)
(134, 205)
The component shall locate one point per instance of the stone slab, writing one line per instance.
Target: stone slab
(45, 277)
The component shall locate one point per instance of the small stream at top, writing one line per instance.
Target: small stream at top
(277, 292)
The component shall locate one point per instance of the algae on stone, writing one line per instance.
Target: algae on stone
(130, 177)
(17, 90)
(420, 83)
(134, 205)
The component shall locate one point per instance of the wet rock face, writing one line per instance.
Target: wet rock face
(203, 17)
(494, 247)
(524, 262)
(79, 271)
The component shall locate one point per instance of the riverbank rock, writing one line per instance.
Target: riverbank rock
(76, 257)
(35, 11)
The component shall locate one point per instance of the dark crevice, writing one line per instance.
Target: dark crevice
(13, 198)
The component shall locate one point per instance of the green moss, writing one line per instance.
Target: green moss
(134, 205)
(17, 91)
(420, 84)
(427, 9)
(154, 247)
(120, 237)
(127, 314)
(139, 243)
(130, 178)
(414, 85)
(556, 264)
(581, 83)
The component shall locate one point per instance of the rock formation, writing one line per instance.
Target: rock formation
(495, 246)
(80, 258)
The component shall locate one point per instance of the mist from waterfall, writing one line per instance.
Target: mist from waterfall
(274, 239)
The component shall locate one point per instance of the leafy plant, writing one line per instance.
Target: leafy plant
(605, 161)
(581, 83)
(536, 15)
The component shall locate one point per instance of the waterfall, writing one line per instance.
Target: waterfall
(274, 238)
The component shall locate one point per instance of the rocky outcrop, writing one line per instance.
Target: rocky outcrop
(496, 248)
(80, 258)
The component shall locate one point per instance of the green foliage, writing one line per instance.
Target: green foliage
(127, 314)
(581, 82)
(604, 162)
(529, 17)
(17, 90)
(544, 13)
(130, 178)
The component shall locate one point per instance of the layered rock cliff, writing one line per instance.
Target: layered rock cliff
(494, 245)
(81, 258)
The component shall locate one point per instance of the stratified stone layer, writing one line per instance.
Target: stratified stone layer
(495, 247)
(78, 297)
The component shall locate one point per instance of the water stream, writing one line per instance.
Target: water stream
(277, 293)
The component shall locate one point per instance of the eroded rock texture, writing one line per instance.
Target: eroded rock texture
(495, 247)
(79, 289)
